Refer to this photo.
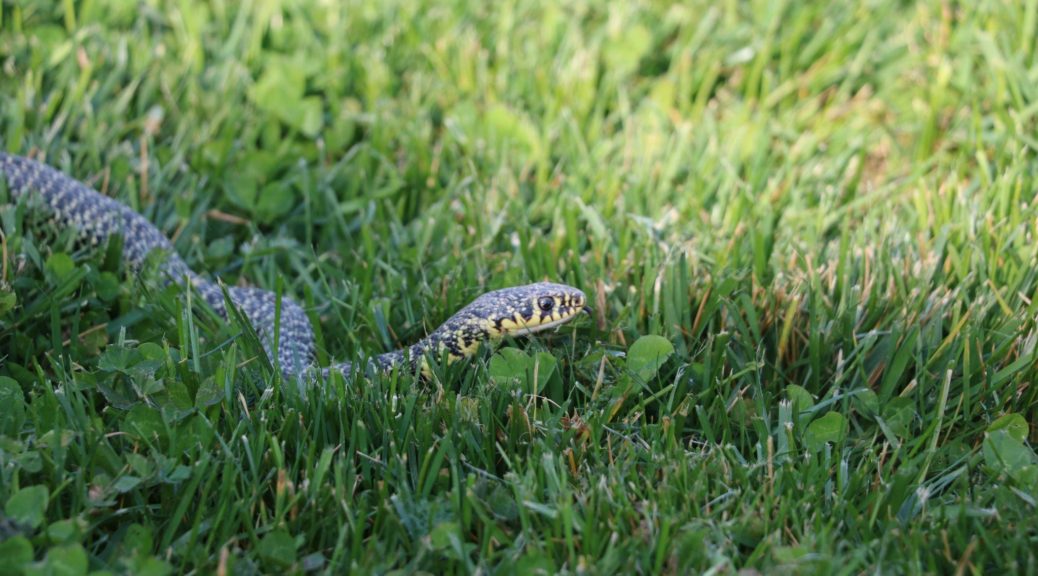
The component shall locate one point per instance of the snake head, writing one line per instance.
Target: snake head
(525, 309)
(512, 311)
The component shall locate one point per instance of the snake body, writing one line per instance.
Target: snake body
(96, 218)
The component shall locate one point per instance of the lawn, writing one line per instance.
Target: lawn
(807, 231)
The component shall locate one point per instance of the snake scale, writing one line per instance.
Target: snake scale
(96, 218)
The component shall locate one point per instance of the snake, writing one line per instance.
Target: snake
(280, 322)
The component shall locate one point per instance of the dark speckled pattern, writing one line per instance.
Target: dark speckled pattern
(97, 217)
(511, 311)
(494, 315)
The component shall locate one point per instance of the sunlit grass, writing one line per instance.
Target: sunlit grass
(828, 212)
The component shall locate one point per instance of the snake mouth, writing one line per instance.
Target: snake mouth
(531, 328)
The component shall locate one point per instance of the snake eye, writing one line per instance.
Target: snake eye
(546, 304)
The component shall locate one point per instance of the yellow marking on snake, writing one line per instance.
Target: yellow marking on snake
(467, 349)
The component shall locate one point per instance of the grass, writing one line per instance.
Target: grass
(828, 212)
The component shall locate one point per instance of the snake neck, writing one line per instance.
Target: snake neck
(452, 341)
